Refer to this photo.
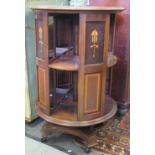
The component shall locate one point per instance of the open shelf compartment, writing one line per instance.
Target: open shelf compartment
(65, 108)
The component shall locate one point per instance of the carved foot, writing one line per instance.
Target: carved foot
(87, 150)
(43, 139)
(123, 108)
(45, 132)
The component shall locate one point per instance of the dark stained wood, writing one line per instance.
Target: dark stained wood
(94, 54)
(66, 81)
(75, 86)
(65, 28)
(60, 94)
(112, 32)
(76, 33)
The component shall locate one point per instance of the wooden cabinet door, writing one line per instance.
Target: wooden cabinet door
(41, 29)
(93, 48)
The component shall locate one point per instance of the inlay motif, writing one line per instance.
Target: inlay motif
(94, 41)
(40, 38)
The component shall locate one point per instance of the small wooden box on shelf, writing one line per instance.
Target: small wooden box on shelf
(72, 56)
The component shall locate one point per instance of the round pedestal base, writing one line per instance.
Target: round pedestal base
(109, 112)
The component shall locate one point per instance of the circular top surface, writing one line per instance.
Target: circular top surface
(77, 8)
(109, 112)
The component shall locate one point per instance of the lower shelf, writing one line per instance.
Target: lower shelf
(66, 110)
(69, 118)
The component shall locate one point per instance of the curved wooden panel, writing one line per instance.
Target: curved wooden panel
(110, 111)
(93, 53)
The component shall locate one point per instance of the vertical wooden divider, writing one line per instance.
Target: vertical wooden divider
(93, 50)
(41, 29)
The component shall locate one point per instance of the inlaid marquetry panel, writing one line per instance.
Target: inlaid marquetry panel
(94, 42)
(92, 93)
(39, 35)
(41, 86)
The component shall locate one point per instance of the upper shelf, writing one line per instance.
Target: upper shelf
(71, 63)
(75, 9)
(66, 63)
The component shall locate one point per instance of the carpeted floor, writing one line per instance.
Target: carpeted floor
(114, 137)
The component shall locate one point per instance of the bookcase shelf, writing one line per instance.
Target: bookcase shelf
(66, 63)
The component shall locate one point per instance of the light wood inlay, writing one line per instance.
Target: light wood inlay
(41, 86)
(91, 99)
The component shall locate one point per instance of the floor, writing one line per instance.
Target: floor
(33, 147)
(113, 139)
(63, 143)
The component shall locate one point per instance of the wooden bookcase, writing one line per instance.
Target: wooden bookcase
(72, 57)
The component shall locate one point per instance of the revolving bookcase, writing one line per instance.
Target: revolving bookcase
(74, 48)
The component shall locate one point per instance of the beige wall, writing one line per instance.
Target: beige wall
(27, 98)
